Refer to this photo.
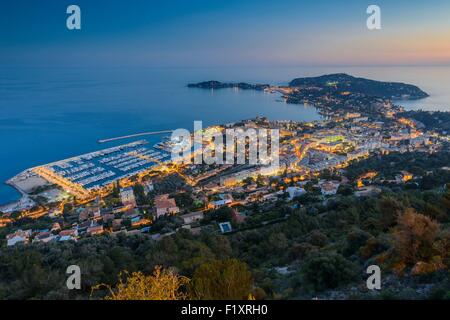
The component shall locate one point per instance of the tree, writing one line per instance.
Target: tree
(183, 200)
(345, 190)
(116, 190)
(227, 279)
(446, 200)
(163, 284)
(323, 271)
(141, 197)
(414, 237)
(389, 209)
(221, 214)
(67, 208)
(260, 180)
(248, 181)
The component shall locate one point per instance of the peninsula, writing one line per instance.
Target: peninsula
(336, 94)
(223, 85)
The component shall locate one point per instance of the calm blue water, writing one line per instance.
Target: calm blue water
(51, 114)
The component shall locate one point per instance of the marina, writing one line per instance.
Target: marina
(98, 169)
(89, 172)
(135, 135)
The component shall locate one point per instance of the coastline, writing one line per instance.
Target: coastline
(15, 204)
(438, 97)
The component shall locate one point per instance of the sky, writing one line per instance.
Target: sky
(206, 33)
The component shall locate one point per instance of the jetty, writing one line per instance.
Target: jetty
(134, 135)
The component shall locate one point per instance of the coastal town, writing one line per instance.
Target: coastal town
(137, 189)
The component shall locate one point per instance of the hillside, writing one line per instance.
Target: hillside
(345, 82)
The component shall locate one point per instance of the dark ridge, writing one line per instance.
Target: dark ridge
(345, 82)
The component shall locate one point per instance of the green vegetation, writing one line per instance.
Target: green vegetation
(436, 120)
(313, 247)
(222, 280)
(345, 82)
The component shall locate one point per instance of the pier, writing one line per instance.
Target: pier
(134, 135)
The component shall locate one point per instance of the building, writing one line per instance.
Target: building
(404, 176)
(94, 230)
(127, 197)
(69, 232)
(219, 203)
(67, 238)
(108, 217)
(329, 188)
(117, 224)
(18, 236)
(238, 217)
(367, 191)
(224, 200)
(55, 227)
(164, 205)
(295, 192)
(67, 235)
(44, 237)
(148, 186)
(192, 217)
(93, 212)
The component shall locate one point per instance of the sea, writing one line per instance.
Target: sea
(49, 114)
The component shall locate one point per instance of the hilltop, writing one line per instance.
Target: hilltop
(344, 82)
(213, 84)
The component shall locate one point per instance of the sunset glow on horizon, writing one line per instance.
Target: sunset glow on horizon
(201, 33)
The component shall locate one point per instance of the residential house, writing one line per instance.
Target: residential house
(404, 176)
(192, 217)
(367, 191)
(130, 214)
(117, 224)
(68, 235)
(55, 227)
(95, 230)
(69, 232)
(83, 215)
(295, 192)
(329, 188)
(127, 197)
(224, 200)
(19, 236)
(165, 205)
(107, 217)
(94, 212)
(44, 237)
(148, 186)
(238, 217)
(82, 227)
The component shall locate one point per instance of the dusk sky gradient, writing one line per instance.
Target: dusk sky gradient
(200, 33)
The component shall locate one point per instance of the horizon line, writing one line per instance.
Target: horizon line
(231, 66)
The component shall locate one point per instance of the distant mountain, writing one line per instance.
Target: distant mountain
(345, 82)
(222, 85)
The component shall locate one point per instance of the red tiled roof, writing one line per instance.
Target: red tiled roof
(163, 202)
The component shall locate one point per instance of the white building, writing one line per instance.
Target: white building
(18, 236)
(127, 197)
(295, 192)
(192, 217)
